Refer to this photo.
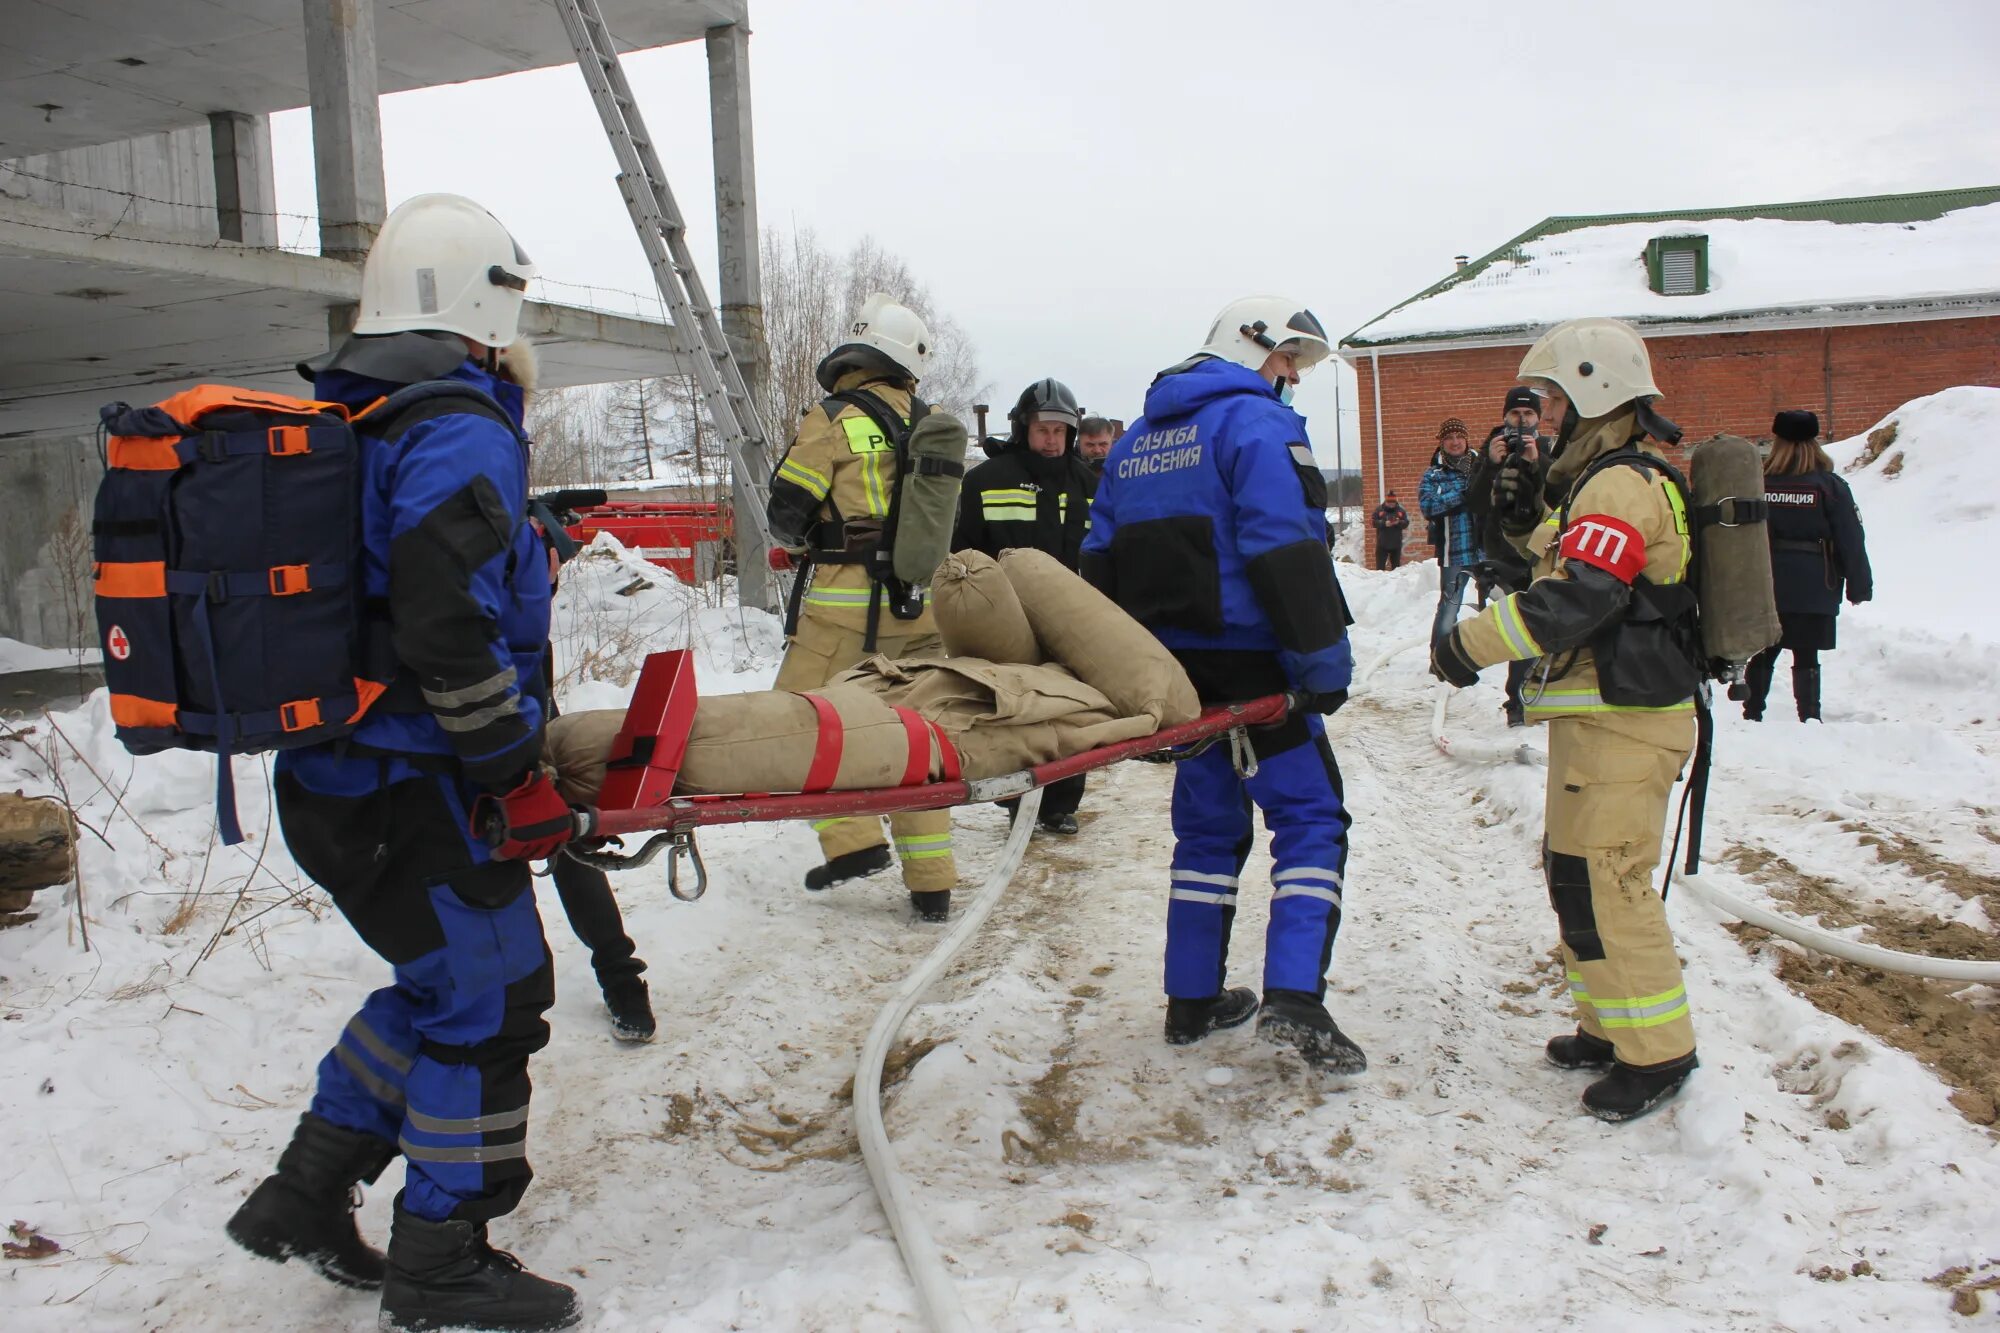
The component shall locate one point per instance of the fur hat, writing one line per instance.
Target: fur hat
(519, 365)
(1796, 425)
(1453, 426)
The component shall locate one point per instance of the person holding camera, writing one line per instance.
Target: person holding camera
(1390, 520)
(1517, 436)
(1445, 496)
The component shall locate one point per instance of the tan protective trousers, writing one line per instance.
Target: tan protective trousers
(816, 654)
(1611, 778)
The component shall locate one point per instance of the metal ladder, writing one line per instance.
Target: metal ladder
(663, 234)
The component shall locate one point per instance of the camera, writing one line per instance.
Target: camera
(1517, 438)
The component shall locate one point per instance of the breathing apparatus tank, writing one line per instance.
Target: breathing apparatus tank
(1739, 608)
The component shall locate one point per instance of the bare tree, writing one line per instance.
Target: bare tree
(809, 295)
(637, 413)
(571, 445)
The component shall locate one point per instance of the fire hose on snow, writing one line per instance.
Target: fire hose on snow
(1816, 938)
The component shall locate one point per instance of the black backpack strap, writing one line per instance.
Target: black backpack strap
(418, 403)
(898, 434)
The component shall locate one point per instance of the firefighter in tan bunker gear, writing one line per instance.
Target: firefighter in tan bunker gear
(830, 497)
(1605, 538)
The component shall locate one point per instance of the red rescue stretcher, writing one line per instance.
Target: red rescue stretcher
(637, 796)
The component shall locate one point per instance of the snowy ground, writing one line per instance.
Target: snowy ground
(1078, 1172)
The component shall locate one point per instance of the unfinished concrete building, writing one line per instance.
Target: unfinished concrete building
(139, 243)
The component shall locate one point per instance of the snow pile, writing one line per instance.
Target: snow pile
(18, 656)
(1929, 496)
(1077, 1172)
(1756, 265)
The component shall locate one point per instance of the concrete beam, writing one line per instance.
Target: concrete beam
(246, 197)
(740, 302)
(341, 78)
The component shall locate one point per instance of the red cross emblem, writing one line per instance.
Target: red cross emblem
(117, 644)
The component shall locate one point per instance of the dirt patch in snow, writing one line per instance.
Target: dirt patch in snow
(1897, 849)
(1957, 1039)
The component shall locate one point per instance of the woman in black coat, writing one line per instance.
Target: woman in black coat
(1816, 548)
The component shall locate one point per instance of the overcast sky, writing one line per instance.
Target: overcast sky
(1083, 184)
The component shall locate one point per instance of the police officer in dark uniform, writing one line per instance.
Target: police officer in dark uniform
(1035, 492)
(1816, 548)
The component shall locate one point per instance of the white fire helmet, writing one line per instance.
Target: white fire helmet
(443, 263)
(894, 330)
(1599, 365)
(1249, 330)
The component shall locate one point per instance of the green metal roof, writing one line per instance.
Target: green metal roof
(1923, 207)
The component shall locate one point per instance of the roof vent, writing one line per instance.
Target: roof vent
(1460, 261)
(1677, 265)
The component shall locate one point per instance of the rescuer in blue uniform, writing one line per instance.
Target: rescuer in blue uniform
(1210, 529)
(434, 1067)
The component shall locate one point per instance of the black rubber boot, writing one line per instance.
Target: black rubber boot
(305, 1210)
(1580, 1050)
(1805, 692)
(849, 865)
(1063, 824)
(933, 906)
(1299, 1019)
(1629, 1091)
(1757, 684)
(1517, 715)
(445, 1275)
(631, 1010)
(1188, 1021)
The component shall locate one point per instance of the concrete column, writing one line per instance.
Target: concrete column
(347, 124)
(246, 200)
(740, 302)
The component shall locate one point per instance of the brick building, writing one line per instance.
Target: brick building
(1848, 307)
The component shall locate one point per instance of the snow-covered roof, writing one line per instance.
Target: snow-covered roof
(1839, 257)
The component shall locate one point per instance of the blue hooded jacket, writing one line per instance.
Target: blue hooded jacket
(448, 549)
(1210, 526)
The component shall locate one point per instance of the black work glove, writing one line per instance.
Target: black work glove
(1450, 664)
(1324, 702)
(1515, 499)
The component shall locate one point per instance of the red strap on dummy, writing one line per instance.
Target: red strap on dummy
(919, 733)
(948, 751)
(826, 750)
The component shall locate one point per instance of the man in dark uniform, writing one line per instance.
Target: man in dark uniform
(1035, 493)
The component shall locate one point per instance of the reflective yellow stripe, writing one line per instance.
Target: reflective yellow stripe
(822, 825)
(839, 596)
(1007, 513)
(802, 476)
(923, 846)
(1590, 701)
(1014, 494)
(924, 840)
(1506, 615)
(1680, 526)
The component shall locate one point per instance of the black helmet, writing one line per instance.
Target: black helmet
(1045, 400)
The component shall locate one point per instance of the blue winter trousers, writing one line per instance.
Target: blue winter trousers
(437, 1061)
(1297, 786)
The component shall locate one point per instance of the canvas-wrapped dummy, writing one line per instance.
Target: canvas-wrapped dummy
(979, 614)
(1083, 630)
(1739, 609)
(1001, 716)
(927, 506)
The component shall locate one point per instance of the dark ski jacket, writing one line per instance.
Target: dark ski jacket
(1816, 544)
(1210, 526)
(1015, 499)
(1510, 568)
(1389, 520)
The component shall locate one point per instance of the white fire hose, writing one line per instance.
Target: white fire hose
(936, 1295)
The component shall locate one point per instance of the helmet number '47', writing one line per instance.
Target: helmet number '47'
(1607, 543)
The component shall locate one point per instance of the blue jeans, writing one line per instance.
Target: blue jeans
(1451, 592)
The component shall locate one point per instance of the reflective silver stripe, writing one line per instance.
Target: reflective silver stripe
(498, 1152)
(478, 1124)
(1203, 877)
(1203, 896)
(485, 689)
(367, 1038)
(474, 721)
(1676, 999)
(371, 1082)
(1308, 891)
(1307, 873)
